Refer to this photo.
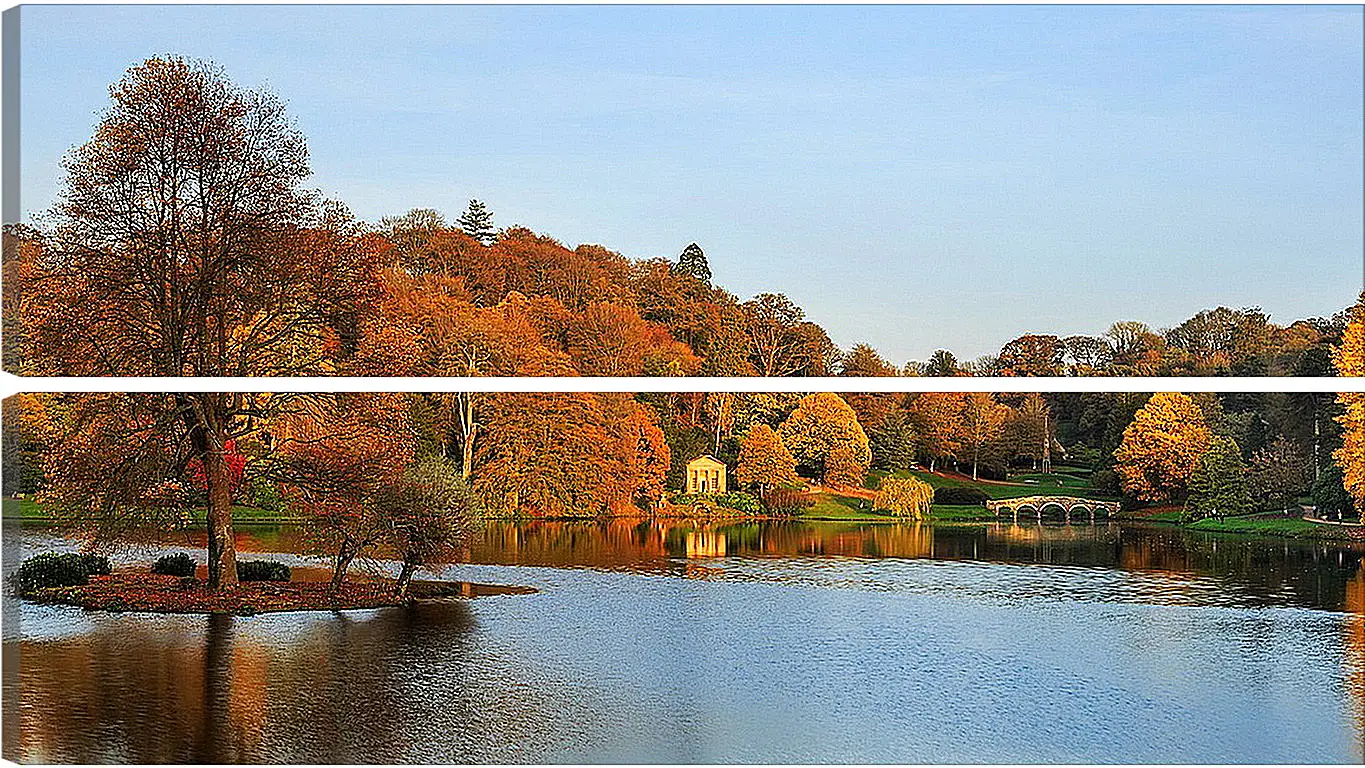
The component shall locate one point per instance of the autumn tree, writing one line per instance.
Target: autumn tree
(863, 360)
(334, 456)
(937, 418)
(182, 244)
(983, 420)
(1032, 355)
(113, 466)
(416, 237)
(613, 340)
(764, 462)
(1349, 359)
(1218, 486)
(570, 455)
(1136, 348)
(426, 515)
(904, 497)
(692, 262)
(477, 222)
(821, 422)
(782, 342)
(1161, 448)
(1220, 339)
(426, 326)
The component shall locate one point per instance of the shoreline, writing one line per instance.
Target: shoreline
(1263, 525)
(140, 592)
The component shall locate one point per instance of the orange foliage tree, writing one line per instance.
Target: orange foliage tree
(1350, 361)
(570, 455)
(764, 462)
(184, 245)
(983, 421)
(334, 457)
(426, 326)
(1161, 448)
(937, 417)
(821, 422)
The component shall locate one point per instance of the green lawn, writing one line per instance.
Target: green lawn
(28, 509)
(1068, 485)
(1288, 527)
(830, 506)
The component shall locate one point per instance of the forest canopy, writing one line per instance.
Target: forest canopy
(214, 258)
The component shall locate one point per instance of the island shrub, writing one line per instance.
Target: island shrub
(960, 495)
(788, 501)
(179, 564)
(262, 570)
(51, 570)
(96, 565)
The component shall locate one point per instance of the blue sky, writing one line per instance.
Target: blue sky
(915, 177)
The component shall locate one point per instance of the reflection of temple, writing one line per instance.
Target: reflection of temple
(705, 544)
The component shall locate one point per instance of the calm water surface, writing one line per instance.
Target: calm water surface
(773, 642)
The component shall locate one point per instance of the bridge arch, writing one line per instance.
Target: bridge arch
(1039, 506)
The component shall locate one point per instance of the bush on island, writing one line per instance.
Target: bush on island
(262, 570)
(179, 564)
(58, 570)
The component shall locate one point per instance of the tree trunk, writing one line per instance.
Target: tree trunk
(343, 561)
(404, 579)
(221, 544)
(206, 418)
(468, 429)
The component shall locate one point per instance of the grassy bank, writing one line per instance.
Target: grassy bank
(1019, 485)
(28, 509)
(1283, 527)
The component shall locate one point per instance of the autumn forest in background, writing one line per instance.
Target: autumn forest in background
(185, 244)
(175, 251)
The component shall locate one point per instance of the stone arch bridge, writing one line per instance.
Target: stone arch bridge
(1066, 505)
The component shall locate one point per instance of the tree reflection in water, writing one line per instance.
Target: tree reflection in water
(199, 689)
(429, 684)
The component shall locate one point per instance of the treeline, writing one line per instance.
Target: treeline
(428, 298)
(212, 260)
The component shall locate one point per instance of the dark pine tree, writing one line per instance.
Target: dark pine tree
(693, 262)
(477, 222)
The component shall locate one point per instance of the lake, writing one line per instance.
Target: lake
(764, 642)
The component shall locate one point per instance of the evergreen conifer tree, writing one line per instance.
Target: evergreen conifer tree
(693, 262)
(477, 222)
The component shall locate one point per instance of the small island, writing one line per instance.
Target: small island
(138, 592)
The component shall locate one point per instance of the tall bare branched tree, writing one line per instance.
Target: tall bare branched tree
(183, 244)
